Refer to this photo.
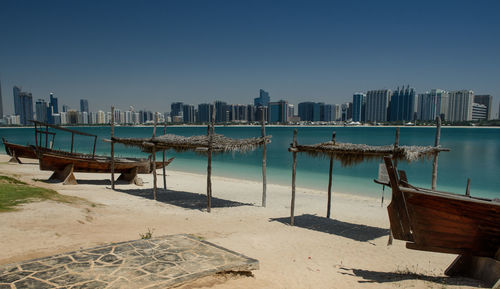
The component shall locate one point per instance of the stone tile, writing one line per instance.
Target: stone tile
(159, 262)
(32, 283)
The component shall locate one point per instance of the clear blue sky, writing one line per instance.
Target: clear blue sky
(151, 53)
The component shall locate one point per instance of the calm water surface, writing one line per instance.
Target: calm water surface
(475, 154)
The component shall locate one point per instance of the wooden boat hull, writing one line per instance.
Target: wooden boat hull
(443, 222)
(20, 151)
(99, 164)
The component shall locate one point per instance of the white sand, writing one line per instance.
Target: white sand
(339, 254)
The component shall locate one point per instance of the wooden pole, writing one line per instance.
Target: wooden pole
(264, 181)
(209, 167)
(294, 171)
(154, 160)
(72, 141)
(435, 160)
(46, 136)
(396, 144)
(330, 177)
(467, 190)
(112, 148)
(164, 169)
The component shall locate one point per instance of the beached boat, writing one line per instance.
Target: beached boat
(50, 161)
(19, 151)
(440, 221)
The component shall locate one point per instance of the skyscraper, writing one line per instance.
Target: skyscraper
(54, 106)
(1, 102)
(486, 100)
(263, 99)
(460, 105)
(278, 111)
(205, 112)
(41, 110)
(358, 107)
(176, 109)
(188, 113)
(23, 105)
(310, 111)
(402, 105)
(377, 103)
(84, 105)
(221, 111)
(432, 104)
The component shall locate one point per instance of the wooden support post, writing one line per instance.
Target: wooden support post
(264, 181)
(396, 144)
(435, 160)
(65, 175)
(112, 148)
(129, 177)
(209, 167)
(164, 169)
(330, 177)
(36, 136)
(72, 141)
(14, 158)
(154, 159)
(93, 150)
(46, 136)
(467, 190)
(294, 171)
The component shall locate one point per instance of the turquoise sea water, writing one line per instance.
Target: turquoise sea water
(475, 154)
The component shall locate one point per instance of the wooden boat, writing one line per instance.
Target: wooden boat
(17, 151)
(440, 221)
(50, 161)
(445, 222)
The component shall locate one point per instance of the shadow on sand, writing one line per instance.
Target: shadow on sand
(356, 232)
(183, 199)
(387, 277)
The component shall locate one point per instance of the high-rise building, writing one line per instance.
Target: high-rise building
(328, 112)
(479, 112)
(239, 113)
(432, 104)
(41, 110)
(84, 105)
(53, 103)
(402, 104)
(310, 111)
(65, 108)
(358, 107)
(221, 111)
(377, 104)
(460, 105)
(188, 113)
(205, 112)
(251, 113)
(263, 99)
(278, 111)
(23, 105)
(1, 102)
(486, 100)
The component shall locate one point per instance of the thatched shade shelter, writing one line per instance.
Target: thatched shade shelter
(203, 144)
(350, 154)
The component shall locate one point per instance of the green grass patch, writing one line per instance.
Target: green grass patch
(14, 192)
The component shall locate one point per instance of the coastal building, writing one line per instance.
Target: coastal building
(221, 111)
(84, 105)
(72, 117)
(263, 99)
(310, 111)
(278, 111)
(205, 112)
(291, 111)
(101, 117)
(176, 109)
(328, 112)
(402, 104)
(83, 117)
(486, 100)
(239, 113)
(188, 113)
(23, 105)
(432, 104)
(377, 104)
(41, 110)
(460, 105)
(54, 106)
(1, 102)
(479, 112)
(12, 120)
(358, 107)
(251, 112)
(65, 108)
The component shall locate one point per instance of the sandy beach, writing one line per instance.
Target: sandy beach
(347, 251)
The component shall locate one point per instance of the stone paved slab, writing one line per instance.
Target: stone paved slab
(160, 262)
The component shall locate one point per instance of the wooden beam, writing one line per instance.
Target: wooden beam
(164, 169)
(209, 166)
(264, 181)
(154, 159)
(112, 148)
(330, 178)
(435, 160)
(294, 170)
(467, 190)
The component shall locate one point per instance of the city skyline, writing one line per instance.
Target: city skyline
(196, 52)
